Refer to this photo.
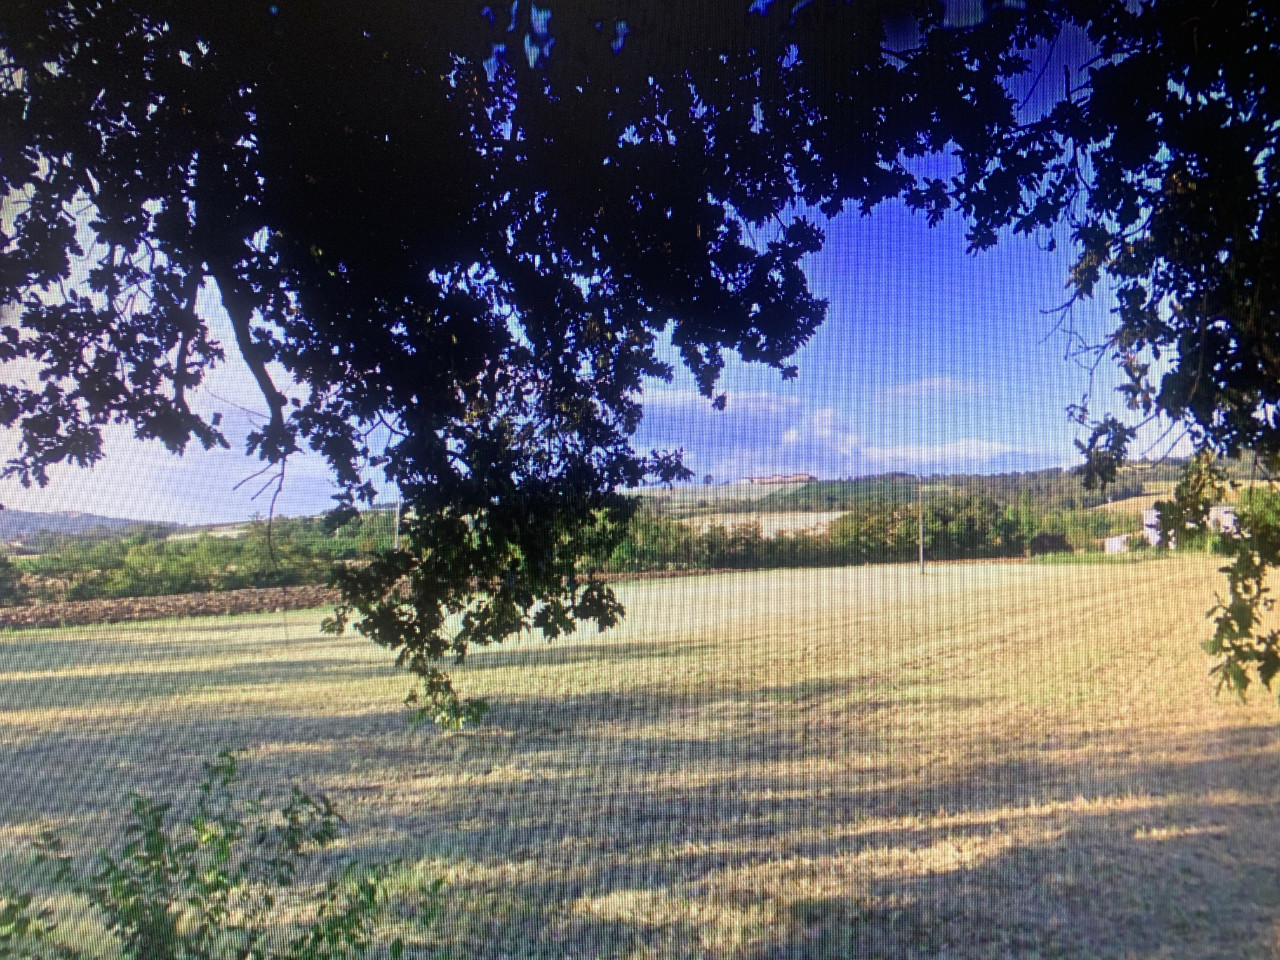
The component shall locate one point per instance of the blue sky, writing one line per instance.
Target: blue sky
(931, 360)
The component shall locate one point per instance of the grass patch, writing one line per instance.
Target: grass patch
(1092, 557)
(989, 760)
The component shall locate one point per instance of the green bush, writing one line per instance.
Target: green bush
(1043, 543)
(1138, 542)
(11, 587)
(207, 889)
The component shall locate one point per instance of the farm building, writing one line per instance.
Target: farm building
(1118, 544)
(782, 478)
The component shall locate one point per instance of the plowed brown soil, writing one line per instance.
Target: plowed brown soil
(74, 613)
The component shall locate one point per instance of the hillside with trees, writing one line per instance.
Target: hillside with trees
(965, 517)
(146, 561)
(30, 530)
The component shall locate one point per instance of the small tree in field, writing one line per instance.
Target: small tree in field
(11, 587)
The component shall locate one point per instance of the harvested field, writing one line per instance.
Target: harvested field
(1136, 505)
(222, 603)
(771, 524)
(1022, 760)
(1133, 505)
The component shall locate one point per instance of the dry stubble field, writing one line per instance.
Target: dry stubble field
(989, 761)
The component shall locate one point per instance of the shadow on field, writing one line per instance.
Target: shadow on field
(795, 820)
(83, 778)
(1081, 846)
(139, 687)
(33, 650)
(1165, 879)
(531, 654)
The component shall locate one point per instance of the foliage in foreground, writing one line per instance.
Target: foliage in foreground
(1245, 639)
(212, 887)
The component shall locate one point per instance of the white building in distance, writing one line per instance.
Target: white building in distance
(1117, 544)
(782, 478)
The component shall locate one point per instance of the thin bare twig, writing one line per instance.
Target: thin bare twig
(278, 479)
(255, 414)
(252, 476)
(271, 514)
(1043, 67)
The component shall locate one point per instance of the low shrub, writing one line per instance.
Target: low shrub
(210, 887)
(1045, 543)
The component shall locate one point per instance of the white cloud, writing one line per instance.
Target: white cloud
(144, 481)
(823, 430)
(935, 387)
(756, 403)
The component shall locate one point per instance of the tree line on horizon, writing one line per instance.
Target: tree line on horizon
(958, 524)
(966, 517)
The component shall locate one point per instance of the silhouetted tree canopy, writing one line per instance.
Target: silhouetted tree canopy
(470, 225)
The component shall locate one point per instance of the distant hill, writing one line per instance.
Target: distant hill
(18, 526)
(1052, 488)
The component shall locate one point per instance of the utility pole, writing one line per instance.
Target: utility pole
(395, 540)
(920, 517)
